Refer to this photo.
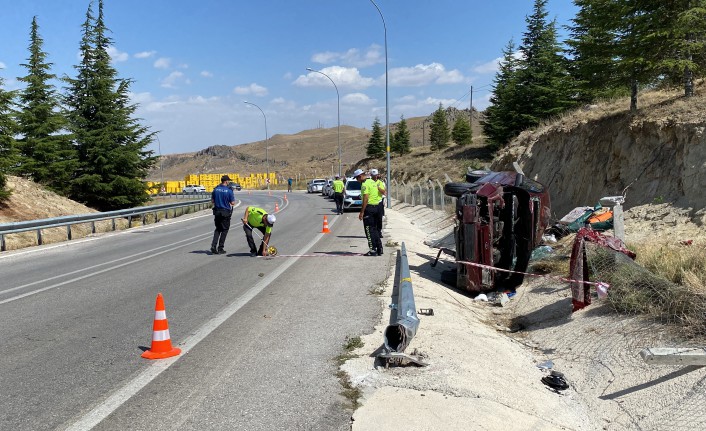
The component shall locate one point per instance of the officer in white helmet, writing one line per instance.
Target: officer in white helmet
(257, 218)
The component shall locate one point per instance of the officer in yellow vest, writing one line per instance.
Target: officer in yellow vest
(338, 193)
(368, 212)
(383, 192)
(257, 218)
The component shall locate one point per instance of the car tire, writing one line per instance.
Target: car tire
(457, 189)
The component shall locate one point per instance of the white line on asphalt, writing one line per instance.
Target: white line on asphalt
(202, 236)
(53, 286)
(162, 223)
(155, 368)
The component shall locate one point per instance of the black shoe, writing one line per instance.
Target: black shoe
(213, 250)
(380, 235)
(371, 253)
(380, 252)
(221, 251)
(253, 254)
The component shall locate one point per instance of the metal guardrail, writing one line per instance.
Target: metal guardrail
(398, 335)
(68, 221)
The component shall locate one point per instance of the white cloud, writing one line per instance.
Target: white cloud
(489, 67)
(2, 65)
(206, 74)
(424, 74)
(354, 57)
(358, 99)
(145, 54)
(162, 63)
(117, 56)
(254, 89)
(342, 76)
(173, 79)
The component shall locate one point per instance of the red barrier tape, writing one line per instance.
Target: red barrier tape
(599, 284)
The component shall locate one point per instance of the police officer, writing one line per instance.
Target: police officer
(383, 192)
(223, 199)
(368, 212)
(257, 218)
(338, 193)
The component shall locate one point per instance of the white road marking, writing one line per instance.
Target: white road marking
(199, 237)
(155, 368)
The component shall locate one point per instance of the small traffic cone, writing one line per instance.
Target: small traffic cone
(276, 207)
(269, 193)
(161, 343)
(325, 229)
(285, 196)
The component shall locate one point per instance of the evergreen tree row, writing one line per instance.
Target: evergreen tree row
(86, 143)
(615, 48)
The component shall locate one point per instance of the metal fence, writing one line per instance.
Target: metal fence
(429, 193)
(198, 203)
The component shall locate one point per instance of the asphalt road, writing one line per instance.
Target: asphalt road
(259, 335)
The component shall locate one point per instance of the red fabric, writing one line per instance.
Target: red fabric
(580, 291)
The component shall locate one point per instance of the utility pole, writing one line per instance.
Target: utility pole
(470, 114)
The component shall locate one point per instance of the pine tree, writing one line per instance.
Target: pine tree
(400, 143)
(461, 132)
(439, 136)
(46, 154)
(543, 85)
(8, 128)
(376, 143)
(111, 143)
(593, 49)
(500, 117)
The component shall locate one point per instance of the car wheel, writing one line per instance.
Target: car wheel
(457, 189)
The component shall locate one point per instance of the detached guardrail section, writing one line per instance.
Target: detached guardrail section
(68, 221)
(399, 334)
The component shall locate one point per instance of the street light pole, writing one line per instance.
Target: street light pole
(387, 105)
(267, 160)
(161, 170)
(338, 130)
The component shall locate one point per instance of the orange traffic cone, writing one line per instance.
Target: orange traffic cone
(285, 196)
(276, 207)
(325, 229)
(161, 343)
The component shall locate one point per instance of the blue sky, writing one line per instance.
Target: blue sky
(195, 62)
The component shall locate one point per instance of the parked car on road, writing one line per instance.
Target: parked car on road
(315, 185)
(234, 186)
(193, 188)
(351, 194)
(327, 189)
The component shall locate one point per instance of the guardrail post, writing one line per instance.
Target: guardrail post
(399, 334)
(129, 222)
(144, 219)
(113, 220)
(433, 195)
(68, 232)
(441, 194)
(39, 237)
(2, 242)
(93, 227)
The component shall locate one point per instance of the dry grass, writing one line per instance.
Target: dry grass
(667, 282)
(680, 264)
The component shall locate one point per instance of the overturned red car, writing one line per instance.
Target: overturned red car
(500, 219)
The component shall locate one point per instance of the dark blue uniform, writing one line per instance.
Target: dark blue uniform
(222, 197)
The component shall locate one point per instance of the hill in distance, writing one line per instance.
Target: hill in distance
(314, 153)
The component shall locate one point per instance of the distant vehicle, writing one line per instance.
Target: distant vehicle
(235, 186)
(351, 194)
(327, 190)
(315, 185)
(193, 188)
